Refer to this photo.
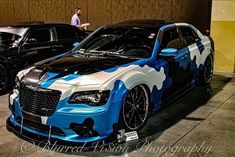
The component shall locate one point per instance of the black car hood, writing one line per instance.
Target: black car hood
(81, 65)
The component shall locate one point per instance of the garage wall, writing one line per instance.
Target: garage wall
(100, 12)
(223, 33)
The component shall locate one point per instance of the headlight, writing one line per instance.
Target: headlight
(94, 98)
(17, 83)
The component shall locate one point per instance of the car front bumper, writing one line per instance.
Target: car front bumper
(101, 120)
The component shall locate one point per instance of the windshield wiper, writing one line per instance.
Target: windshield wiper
(115, 54)
(83, 53)
(102, 53)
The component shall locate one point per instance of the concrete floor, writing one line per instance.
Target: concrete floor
(199, 124)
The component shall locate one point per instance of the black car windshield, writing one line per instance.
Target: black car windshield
(131, 42)
(8, 39)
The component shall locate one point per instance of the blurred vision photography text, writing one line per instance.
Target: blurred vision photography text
(139, 147)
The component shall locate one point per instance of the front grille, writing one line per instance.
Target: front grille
(40, 127)
(42, 102)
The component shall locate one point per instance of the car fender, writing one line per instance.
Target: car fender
(145, 75)
(135, 78)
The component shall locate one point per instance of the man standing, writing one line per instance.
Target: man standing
(75, 21)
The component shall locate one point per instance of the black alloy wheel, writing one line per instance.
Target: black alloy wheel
(208, 70)
(135, 108)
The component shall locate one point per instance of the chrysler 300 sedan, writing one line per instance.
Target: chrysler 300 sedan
(112, 81)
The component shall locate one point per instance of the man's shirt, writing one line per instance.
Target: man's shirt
(75, 20)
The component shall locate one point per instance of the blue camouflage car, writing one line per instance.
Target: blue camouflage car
(111, 81)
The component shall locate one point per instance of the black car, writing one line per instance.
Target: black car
(24, 44)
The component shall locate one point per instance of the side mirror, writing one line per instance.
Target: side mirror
(169, 52)
(75, 44)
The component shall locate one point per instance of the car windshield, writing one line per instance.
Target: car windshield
(8, 39)
(127, 42)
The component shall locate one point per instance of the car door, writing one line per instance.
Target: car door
(176, 65)
(37, 45)
(193, 44)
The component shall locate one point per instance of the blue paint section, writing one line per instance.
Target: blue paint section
(187, 64)
(169, 52)
(167, 26)
(155, 50)
(184, 62)
(140, 62)
(156, 95)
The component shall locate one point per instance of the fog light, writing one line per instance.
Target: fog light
(83, 130)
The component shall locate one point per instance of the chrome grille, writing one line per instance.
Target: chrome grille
(42, 102)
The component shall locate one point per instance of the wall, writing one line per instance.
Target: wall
(100, 12)
(223, 33)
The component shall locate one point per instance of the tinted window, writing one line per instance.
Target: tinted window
(189, 35)
(66, 32)
(137, 42)
(40, 35)
(171, 39)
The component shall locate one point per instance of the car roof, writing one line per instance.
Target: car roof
(143, 23)
(34, 24)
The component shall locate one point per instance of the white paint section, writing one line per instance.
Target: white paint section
(44, 120)
(95, 78)
(200, 57)
(154, 78)
(181, 24)
(12, 98)
(131, 75)
(143, 75)
(22, 73)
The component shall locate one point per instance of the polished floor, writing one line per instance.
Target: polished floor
(199, 124)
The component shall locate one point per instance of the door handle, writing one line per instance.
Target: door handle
(54, 50)
(184, 57)
(201, 48)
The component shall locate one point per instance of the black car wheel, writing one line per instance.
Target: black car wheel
(3, 79)
(207, 71)
(135, 108)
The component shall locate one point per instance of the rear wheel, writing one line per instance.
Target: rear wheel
(135, 109)
(207, 71)
(4, 79)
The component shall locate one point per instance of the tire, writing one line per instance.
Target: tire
(4, 79)
(135, 109)
(207, 71)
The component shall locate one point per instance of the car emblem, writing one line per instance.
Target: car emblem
(34, 88)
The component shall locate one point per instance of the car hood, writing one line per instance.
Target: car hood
(77, 70)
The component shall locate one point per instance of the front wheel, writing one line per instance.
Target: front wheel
(207, 71)
(135, 109)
